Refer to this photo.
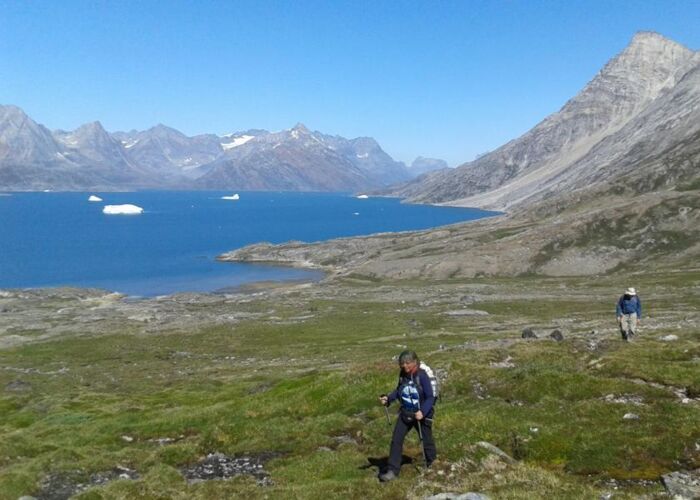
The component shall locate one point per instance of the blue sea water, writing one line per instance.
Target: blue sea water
(56, 239)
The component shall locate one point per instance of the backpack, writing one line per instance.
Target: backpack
(433, 379)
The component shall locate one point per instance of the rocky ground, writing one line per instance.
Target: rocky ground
(175, 391)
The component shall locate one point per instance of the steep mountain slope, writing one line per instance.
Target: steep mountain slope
(29, 156)
(24, 141)
(102, 158)
(366, 154)
(646, 71)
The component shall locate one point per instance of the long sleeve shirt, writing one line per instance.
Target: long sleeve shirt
(629, 304)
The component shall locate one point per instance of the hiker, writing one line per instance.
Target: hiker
(629, 313)
(415, 394)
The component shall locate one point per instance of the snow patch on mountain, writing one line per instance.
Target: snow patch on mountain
(237, 141)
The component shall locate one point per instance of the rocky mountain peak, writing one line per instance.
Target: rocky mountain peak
(161, 130)
(12, 119)
(92, 129)
(299, 130)
(652, 42)
(300, 127)
(22, 139)
(649, 64)
(8, 112)
(366, 144)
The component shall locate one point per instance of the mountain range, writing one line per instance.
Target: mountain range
(89, 158)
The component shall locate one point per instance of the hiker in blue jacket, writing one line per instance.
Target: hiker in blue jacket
(629, 313)
(415, 394)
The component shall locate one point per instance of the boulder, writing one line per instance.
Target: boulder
(495, 450)
(556, 335)
(528, 333)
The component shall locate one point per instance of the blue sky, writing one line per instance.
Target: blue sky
(440, 79)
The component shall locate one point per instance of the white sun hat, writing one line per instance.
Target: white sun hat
(630, 291)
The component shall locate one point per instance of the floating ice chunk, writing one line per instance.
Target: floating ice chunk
(122, 209)
(234, 197)
(356, 213)
(362, 197)
(94, 198)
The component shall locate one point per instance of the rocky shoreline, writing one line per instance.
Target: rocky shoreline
(549, 240)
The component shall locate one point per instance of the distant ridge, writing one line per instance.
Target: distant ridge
(90, 158)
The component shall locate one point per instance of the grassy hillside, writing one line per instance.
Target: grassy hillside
(294, 389)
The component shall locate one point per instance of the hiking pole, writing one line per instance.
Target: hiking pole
(422, 444)
(386, 412)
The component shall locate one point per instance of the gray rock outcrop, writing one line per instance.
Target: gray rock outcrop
(556, 335)
(683, 484)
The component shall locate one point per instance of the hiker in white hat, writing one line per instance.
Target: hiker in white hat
(629, 313)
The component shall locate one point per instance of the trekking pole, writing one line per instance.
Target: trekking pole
(422, 444)
(386, 412)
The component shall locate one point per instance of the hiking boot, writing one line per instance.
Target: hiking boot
(387, 476)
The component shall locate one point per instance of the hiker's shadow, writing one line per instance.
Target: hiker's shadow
(382, 463)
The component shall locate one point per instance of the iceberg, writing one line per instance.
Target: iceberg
(234, 197)
(122, 209)
(94, 198)
(362, 197)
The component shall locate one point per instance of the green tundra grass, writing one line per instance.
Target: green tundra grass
(301, 383)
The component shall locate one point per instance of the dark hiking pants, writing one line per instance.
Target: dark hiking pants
(400, 430)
